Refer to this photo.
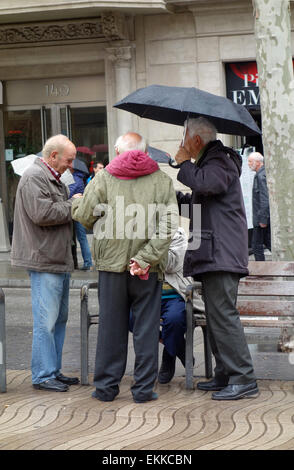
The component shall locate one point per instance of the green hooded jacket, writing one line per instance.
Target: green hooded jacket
(132, 208)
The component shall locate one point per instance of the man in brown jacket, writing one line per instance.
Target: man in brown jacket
(41, 243)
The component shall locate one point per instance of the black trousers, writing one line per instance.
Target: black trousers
(260, 237)
(226, 334)
(118, 293)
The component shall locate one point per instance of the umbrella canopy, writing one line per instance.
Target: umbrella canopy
(100, 148)
(86, 150)
(174, 104)
(158, 155)
(80, 165)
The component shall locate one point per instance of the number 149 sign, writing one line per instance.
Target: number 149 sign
(55, 90)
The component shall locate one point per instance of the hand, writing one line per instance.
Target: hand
(182, 155)
(136, 270)
(75, 196)
(263, 225)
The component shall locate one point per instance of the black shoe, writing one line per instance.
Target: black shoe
(85, 268)
(154, 396)
(67, 380)
(236, 391)
(51, 385)
(213, 385)
(104, 398)
(167, 369)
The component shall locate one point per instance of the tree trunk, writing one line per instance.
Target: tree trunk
(276, 84)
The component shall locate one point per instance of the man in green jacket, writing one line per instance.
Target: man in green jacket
(131, 207)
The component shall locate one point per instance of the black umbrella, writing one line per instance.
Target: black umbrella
(158, 155)
(174, 104)
(80, 165)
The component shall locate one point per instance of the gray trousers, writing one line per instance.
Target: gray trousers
(226, 334)
(118, 294)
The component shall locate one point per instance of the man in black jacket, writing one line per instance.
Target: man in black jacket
(221, 257)
(260, 207)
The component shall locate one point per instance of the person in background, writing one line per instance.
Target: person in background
(261, 235)
(97, 166)
(80, 232)
(41, 243)
(130, 256)
(217, 253)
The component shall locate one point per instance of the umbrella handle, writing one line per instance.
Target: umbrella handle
(171, 163)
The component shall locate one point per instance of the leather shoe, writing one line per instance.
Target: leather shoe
(51, 385)
(167, 369)
(213, 385)
(236, 391)
(154, 396)
(67, 380)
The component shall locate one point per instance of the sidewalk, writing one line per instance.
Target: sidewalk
(179, 420)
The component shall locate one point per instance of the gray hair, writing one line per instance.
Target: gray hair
(256, 156)
(56, 143)
(130, 141)
(202, 127)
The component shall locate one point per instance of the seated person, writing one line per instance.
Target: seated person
(173, 311)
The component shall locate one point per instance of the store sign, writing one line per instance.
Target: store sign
(242, 84)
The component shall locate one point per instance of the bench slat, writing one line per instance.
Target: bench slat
(267, 288)
(257, 323)
(281, 308)
(271, 268)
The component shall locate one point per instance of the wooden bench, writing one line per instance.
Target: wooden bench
(265, 299)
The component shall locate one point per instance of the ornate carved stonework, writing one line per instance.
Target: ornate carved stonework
(121, 55)
(114, 25)
(51, 31)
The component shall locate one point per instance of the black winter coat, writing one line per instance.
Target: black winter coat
(260, 201)
(223, 235)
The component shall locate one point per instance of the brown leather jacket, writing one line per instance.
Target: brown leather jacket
(42, 232)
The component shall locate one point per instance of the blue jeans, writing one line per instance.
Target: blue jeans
(82, 239)
(50, 296)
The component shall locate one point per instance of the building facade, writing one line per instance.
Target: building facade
(63, 64)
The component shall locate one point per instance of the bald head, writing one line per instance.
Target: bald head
(59, 152)
(255, 161)
(130, 141)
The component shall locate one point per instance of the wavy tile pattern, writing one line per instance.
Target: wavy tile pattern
(178, 420)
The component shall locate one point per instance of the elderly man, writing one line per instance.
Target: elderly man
(131, 206)
(42, 238)
(260, 207)
(222, 257)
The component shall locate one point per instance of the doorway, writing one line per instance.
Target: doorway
(26, 131)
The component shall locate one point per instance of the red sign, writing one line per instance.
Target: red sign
(242, 84)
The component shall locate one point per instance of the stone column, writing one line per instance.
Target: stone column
(121, 58)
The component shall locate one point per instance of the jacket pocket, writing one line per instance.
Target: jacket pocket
(201, 246)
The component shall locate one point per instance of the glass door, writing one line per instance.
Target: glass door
(24, 135)
(26, 131)
(87, 128)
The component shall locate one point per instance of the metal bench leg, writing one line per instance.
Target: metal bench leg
(2, 343)
(207, 353)
(189, 346)
(84, 337)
